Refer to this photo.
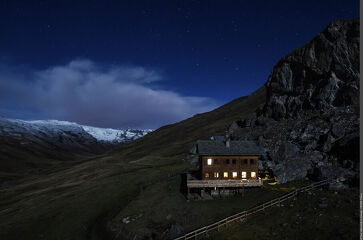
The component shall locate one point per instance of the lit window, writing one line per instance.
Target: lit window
(206, 175)
(225, 174)
(216, 175)
(253, 174)
(244, 174)
(209, 162)
(234, 174)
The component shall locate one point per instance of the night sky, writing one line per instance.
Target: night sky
(144, 64)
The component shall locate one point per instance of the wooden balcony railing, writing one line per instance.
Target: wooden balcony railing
(225, 183)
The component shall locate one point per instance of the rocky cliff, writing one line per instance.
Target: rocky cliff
(309, 124)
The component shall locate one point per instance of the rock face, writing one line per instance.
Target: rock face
(319, 76)
(309, 125)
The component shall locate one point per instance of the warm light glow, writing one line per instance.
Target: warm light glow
(206, 175)
(225, 174)
(234, 174)
(244, 175)
(253, 174)
(216, 175)
(209, 161)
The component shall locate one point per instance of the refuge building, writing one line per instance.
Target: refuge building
(225, 166)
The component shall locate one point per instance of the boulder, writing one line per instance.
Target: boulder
(175, 230)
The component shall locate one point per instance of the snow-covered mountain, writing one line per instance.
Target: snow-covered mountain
(55, 128)
(115, 135)
(28, 147)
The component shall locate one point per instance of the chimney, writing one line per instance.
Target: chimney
(227, 139)
(228, 143)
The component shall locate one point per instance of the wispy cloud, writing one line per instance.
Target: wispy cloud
(88, 93)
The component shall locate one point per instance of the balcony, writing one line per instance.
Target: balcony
(252, 182)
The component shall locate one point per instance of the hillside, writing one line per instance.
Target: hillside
(134, 191)
(70, 201)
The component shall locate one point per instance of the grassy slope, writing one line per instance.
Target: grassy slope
(303, 219)
(66, 204)
(20, 160)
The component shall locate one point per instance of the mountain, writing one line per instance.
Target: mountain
(28, 146)
(106, 135)
(133, 191)
(309, 125)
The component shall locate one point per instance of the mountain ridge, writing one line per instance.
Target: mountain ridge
(29, 146)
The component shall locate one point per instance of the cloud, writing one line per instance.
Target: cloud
(87, 93)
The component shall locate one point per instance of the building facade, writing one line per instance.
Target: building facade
(225, 165)
(232, 167)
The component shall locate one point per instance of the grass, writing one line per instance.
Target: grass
(303, 219)
(165, 206)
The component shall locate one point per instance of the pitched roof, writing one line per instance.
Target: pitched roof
(213, 147)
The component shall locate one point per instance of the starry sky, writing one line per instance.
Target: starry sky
(144, 64)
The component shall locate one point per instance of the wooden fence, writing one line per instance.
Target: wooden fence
(243, 215)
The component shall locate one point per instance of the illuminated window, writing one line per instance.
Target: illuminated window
(244, 175)
(234, 174)
(225, 174)
(216, 175)
(209, 161)
(253, 174)
(206, 175)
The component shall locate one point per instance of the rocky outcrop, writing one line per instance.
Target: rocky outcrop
(319, 76)
(309, 125)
